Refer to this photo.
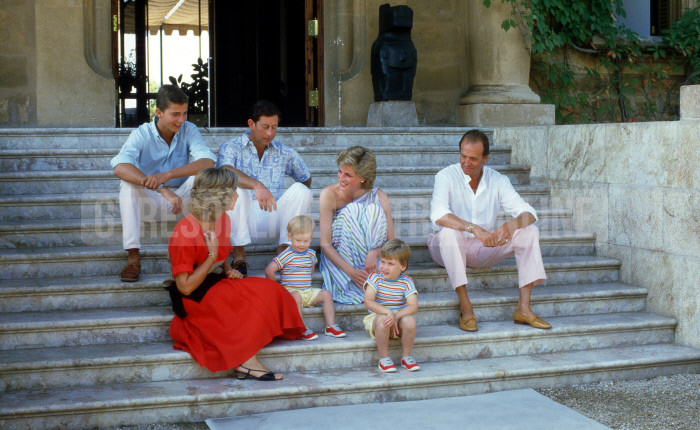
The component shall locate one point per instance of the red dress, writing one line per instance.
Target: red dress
(236, 318)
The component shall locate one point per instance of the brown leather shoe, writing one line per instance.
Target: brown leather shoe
(533, 320)
(130, 272)
(468, 324)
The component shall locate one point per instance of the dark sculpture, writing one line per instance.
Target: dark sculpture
(394, 57)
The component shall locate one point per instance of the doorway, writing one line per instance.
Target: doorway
(265, 50)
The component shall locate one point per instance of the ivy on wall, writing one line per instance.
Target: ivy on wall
(595, 70)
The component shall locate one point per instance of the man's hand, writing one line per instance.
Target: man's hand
(371, 261)
(502, 235)
(174, 200)
(265, 198)
(152, 181)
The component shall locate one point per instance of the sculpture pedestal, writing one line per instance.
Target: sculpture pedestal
(495, 114)
(392, 114)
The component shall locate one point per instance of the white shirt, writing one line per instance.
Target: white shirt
(452, 194)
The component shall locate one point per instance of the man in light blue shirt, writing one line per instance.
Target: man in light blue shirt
(155, 170)
(264, 208)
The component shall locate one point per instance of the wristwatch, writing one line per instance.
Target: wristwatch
(470, 227)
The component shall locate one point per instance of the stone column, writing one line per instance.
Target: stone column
(499, 72)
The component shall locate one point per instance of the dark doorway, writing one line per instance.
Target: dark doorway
(258, 53)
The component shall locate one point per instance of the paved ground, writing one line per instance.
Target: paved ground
(669, 403)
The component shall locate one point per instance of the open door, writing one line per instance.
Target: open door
(263, 50)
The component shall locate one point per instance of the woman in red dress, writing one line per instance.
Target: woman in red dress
(222, 320)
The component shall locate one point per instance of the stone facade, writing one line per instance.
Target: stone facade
(55, 64)
(637, 186)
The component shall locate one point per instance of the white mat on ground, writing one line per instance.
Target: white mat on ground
(505, 410)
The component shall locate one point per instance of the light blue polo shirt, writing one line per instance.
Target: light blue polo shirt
(148, 151)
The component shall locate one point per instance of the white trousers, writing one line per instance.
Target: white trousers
(455, 251)
(252, 225)
(138, 204)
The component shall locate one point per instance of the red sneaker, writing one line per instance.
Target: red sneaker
(309, 335)
(386, 365)
(410, 364)
(334, 331)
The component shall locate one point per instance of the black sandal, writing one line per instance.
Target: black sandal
(266, 376)
(241, 266)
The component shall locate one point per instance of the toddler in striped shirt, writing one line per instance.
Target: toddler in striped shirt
(296, 265)
(392, 300)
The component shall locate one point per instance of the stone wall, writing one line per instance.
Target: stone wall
(636, 186)
(55, 63)
(17, 63)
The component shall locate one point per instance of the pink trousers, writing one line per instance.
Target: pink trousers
(455, 251)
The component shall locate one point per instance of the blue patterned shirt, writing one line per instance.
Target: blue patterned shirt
(150, 153)
(391, 294)
(277, 160)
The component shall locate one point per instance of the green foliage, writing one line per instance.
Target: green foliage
(684, 38)
(559, 28)
(197, 91)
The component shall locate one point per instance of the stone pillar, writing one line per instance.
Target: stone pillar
(690, 102)
(499, 72)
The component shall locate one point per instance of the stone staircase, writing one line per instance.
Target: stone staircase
(79, 349)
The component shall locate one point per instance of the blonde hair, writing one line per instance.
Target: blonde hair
(362, 161)
(300, 224)
(212, 193)
(396, 249)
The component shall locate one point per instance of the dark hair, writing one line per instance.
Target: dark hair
(168, 94)
(264, 108)
(474, 136)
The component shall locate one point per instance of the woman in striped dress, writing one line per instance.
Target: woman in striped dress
(355, 221)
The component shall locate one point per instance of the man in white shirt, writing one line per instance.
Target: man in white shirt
(464, 209)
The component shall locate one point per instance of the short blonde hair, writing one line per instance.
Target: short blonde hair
(300, 224)
(362, 161)
(396, 249)
(212, 193)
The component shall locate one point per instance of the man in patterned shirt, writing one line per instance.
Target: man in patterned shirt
(264, 208)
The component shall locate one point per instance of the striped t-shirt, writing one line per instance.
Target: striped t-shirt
(296, 267)
(391, 294)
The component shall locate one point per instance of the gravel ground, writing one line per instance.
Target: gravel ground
(667, 402)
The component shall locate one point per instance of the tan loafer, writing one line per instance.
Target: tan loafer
(468, 324)
(533, 320)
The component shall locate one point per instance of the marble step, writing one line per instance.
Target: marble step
(70, 181)
(150, 323)
(297, 137)
(43, 159)
(108, 231)
(197, 399)
(109, 259)
(158, 361)
(73, 292)
(106, 204)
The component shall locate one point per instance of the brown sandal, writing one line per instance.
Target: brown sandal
(130, 272)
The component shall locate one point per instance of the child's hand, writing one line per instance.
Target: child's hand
(395, 331)
(389, 319)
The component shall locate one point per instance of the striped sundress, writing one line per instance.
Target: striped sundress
(358, 227)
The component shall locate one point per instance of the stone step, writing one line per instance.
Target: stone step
(70, 181)
(197, 399)
(150, 323)
(108, 231)
(109, 259)
(73, 292)
(315, 156)
(296, 137)
(158, 361)
(106, 204)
